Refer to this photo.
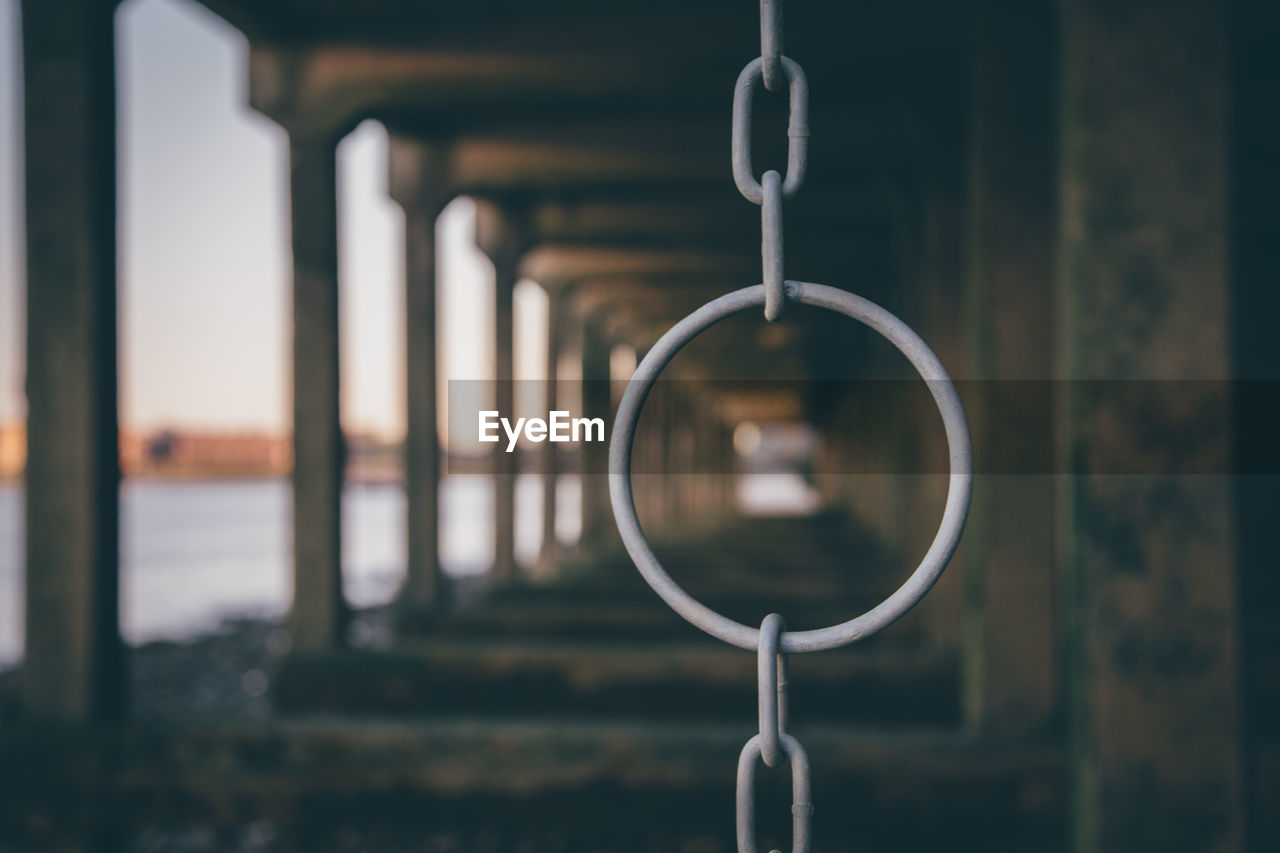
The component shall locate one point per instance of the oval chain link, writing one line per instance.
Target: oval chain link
(797, 129)
(771, 680)
(801, 802)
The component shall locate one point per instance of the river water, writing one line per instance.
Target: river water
(196, 552)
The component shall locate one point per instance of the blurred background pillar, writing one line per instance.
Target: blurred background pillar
(419, 183)
(1011, 654)
(501, 236)
(74, 656)
(319, 616)
(1149, 557)
(549, 553)
(597, 515)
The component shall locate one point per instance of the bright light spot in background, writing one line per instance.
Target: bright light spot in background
(622, 362)
(371, 270)
(776, 494)
(464, 313)
(747, 439)
(774, 455)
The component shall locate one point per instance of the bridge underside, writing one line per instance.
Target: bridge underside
(1055, 197)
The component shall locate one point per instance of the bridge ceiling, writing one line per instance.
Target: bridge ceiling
(607, 124)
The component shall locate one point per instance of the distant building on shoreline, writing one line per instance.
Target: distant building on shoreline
(173, 453)
(180, 453)
(13, 450)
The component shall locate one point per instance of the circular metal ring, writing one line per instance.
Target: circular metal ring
(958, 493)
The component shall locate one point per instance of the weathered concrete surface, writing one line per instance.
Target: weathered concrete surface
(319, 610)
(597, 641)
(594, 678)
(1012, 677)
(1255, 265)
(1149, 560)
(556, 785)
(74, 661)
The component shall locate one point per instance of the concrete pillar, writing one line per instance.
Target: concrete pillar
(501, 234)
(1011, 672)
(319, 615)
(597, 515)
(74, 658)
(419, 182)
(1149, 559)
(549, 554)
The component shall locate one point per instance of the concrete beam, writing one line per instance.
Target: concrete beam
(566, 262)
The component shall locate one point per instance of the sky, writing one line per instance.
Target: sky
(204, 245)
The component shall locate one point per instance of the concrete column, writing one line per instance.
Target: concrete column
(504, 464)
(500, 234)
(74, 658)
(319, 614)
(549, 554)
(1149, 559)
(1011, 672)
(597, 516)
(419, 182)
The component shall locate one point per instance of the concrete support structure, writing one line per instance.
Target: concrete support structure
(319, 615)
(549, 552)
(74, 658)
(1149, 558)
(419, 182)
(1011, 671)
(597, 517)
(501, 235)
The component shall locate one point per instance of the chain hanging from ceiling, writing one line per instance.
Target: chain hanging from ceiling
(771, 641)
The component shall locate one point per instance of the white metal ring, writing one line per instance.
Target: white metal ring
(958, 493)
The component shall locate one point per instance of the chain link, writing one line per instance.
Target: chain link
(768, 192)
(797, 129)
(771, 678)
(771, 43)
(771, 245)
(801, 802)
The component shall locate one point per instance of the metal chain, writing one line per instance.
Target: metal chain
(771, 42)
(772, 641)
(771, 744)
(768, 192)
(772, 741)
